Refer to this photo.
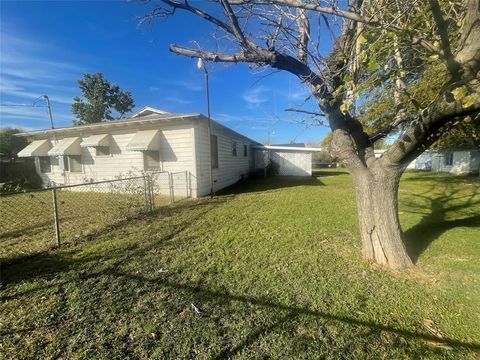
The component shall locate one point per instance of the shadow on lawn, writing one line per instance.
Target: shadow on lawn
(38, 257)
(286, 318)
(281, 316)
(324, 173)
(272, 183)
(435, 222)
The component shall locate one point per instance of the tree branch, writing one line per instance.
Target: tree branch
(208, 55)
(194, 10)
(427, 128)
(234, 24)
(304, 31)
(308, 6)
(314, 113)
(452, 65)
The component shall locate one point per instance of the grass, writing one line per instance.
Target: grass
(273, 268)
(27, 225)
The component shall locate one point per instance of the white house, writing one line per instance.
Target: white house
(150, 140)
(457, 162)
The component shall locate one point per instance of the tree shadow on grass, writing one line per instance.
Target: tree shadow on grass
(283, 317)
(268, 184)
(436, 222)
(325, 173)
(47, 256)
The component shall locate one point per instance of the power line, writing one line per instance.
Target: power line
(24, 105)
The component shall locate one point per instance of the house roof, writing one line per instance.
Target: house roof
(150, 118)
(291, 148)
(147, 110)
(146, 115)
(296, 145)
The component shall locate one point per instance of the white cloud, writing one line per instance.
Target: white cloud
(301, 93)
(36, 114)
(177, 100)
(189, 85)
(28, 69)
(256, 96)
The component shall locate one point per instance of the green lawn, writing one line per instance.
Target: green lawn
(273, 268)
(27, 220)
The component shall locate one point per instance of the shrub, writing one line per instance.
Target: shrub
(19, 176)
(273, 168)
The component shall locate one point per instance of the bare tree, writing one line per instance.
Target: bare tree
(378, 44)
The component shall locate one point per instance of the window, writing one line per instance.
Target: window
(102, 150)
(214, 154)
(151, 159)
(448, 159)
(234, 148)
(245, 150)
(75, 163)
(45, 164)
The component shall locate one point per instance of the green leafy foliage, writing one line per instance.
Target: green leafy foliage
(10, 144)
(99, 98)
(273, 168)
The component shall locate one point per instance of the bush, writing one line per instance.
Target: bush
(273, 169)
(19, 176)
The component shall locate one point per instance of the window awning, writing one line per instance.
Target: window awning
(145, 140)
(96, 140)
(67, 146)
(36, 148)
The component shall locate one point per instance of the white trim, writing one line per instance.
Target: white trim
(291, 148)
(149, 109)
(110, 124)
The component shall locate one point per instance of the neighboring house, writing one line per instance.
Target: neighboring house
(150, 140)
(457, 162)
(422, 162)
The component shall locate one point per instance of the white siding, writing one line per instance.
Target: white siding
(464, 162)
(176, 155)
(230, 168)
(293, 163)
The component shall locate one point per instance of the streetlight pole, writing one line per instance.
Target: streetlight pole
(48, 107)
(201, 65)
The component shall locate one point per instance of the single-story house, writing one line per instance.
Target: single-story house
(454, 161)
(458, 162)
(151, 140)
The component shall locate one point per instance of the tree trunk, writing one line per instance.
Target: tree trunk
(377, 206)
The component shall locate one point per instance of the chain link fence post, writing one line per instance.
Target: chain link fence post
(146, 192)
(170, 184)
(186, 183)
(55, 215)
(151, 189)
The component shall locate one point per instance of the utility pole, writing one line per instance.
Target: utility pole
(201, 65)
(48, 108)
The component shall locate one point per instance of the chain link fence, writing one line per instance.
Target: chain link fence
(36, 220)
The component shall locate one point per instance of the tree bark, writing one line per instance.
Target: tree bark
(377, 207)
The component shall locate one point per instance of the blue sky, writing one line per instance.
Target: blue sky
(46, 46)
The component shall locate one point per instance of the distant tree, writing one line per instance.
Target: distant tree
(10, 145)
(99, 98)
